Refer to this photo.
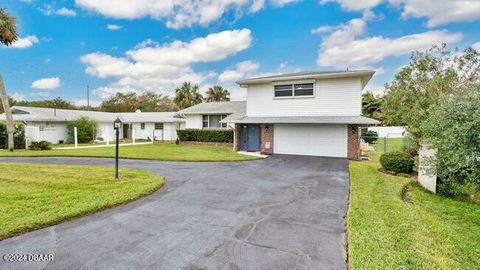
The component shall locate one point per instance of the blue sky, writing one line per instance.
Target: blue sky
(123, 45)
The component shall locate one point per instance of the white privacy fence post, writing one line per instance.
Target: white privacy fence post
(75, 137)
(133, 134)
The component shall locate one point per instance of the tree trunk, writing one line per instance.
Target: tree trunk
(8, 114)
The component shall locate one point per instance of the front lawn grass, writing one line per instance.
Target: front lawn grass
(159, 151)
(386, 232)
(35, 196)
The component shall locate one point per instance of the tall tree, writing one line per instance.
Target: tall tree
(61, 104)
(130, 102)
(8, 35)
(187, 95)
(217, 93)
(429, 76)
(372, 105)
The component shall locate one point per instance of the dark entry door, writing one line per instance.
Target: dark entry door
(250, 138)
(126, 131)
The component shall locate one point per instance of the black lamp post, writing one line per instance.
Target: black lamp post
(116, 125)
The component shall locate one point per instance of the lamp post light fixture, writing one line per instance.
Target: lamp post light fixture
(117, 124)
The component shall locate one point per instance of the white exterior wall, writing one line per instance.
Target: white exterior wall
(168, 133)
(107, 132)
(57, 131)
(340, 96)
(193, 121)
(310, 139)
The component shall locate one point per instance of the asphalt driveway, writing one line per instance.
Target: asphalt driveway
(283, 212)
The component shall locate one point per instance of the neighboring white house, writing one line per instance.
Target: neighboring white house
(304, 113)
(46, 124)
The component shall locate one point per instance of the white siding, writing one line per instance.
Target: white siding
(310, 139)
(107, 132)
(332, 97)
(55, 132)
(193, 121)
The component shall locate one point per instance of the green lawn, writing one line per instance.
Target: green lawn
(157, 151)
(36, 196)
(429, 232)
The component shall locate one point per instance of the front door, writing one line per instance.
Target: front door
(250, 137)
(126, 131)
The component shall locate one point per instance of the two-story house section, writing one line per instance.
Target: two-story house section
(305, 113)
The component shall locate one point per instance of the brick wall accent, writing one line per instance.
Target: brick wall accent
(353, 142)
(236, 141)
(266, 139)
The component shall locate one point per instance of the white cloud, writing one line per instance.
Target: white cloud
(440, 12)
(23, 43)
(476, 46)
(66, 12)
(106, 91)
(240, 71)
(114, 27)
(83, 102)
(163, 67)
(179, 13)
(46, 83)
(354, 4)
(322, 29)
(18, 96)
(344, 49)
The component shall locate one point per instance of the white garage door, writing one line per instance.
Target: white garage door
(310, 139)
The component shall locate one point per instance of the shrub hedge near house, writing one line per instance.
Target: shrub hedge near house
(397, 162)
(370, 136)
(205, 135)
(41, 145)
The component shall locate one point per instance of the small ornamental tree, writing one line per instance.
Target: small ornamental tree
(453, 129)
(86, 129)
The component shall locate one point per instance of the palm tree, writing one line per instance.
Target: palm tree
(8, 35)
(217, 93)
(187, 95)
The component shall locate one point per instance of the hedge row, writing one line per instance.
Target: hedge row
(205, 135)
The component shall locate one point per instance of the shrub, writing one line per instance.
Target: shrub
(397, 162)
(453, 129)
(18, 136)
(86, 129)
(370, 136)
(41, 145)
(206, 135)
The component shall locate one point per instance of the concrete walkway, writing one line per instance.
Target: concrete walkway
(283, 212)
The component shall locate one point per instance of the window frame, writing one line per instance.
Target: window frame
(206, 121)
(293, 83)
(158, 123)
(142, 126)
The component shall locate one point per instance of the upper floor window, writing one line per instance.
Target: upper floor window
(213, 121)
(294, 90)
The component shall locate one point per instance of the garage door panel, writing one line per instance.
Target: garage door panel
(314, 140)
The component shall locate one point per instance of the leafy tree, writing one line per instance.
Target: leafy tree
(372, 105)
(60, 104)
(420, 85)
(86, 130)
(187, 95)
(453, 129)
(130, 102)
(217, 93)
(152, 102)
(8, 35)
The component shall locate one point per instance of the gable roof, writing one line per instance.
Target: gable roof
(365, 74)
(224, 107)
(21, 113)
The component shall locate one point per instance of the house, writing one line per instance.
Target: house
(304, 113)
(47, 124)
